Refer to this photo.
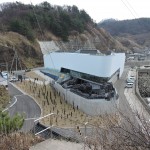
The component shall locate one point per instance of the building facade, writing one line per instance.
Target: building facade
(90, 87)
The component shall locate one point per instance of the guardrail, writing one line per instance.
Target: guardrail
(37, 120)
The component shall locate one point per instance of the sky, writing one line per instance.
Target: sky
(103, 9)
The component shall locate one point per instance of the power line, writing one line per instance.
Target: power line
(42, 35)
(133, 12)
(128, 8)
(132, 8)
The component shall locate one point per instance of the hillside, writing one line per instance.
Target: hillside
(29, 53)
(131, 33)
(22, 26)
(31, 21)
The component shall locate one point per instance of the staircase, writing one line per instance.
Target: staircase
(45, 134)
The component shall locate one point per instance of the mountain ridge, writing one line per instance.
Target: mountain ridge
(134, 32)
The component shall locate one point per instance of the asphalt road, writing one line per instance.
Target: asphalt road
(124, 106)
(25, 105)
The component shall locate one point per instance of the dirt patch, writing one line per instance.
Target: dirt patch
(33, 75)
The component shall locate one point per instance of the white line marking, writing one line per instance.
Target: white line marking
(12, 103)
(30, 118)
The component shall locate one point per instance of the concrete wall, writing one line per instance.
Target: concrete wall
(89, 106)
(114, 78)
(137, 93)
(98, 65)
(48, 46)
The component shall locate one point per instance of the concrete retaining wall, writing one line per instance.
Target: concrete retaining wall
(89, 106)
(114, 78)
(137, 93)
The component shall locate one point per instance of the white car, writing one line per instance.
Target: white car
(13, 79)
(130, 80)
(129, 85)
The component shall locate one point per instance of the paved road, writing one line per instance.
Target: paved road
(124, 106)
(25, 105)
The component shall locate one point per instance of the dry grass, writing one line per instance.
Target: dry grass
(18, 141)
(33, 75)
(28, 52)
(4, 97)
(67, 115)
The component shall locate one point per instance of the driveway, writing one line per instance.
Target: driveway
(23, 104)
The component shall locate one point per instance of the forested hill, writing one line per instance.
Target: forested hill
(134, 26)
(23, 26)
(26, 19)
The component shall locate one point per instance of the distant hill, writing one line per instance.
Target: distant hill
(135, 26)
(135, 31)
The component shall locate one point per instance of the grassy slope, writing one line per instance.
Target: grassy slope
(4, 97)
(18, 141)
(28, 52)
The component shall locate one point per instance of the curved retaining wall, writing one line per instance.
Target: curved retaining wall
(89, 106)
(137, 93)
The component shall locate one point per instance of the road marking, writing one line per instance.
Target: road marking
(5, 110)
(30, 118)
(13, 102)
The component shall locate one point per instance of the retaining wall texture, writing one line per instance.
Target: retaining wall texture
(137, 93)
(89, 106)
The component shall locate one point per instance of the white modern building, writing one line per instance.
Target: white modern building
(92, 70)
(98, 65)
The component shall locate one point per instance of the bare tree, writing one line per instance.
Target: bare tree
(128, 135)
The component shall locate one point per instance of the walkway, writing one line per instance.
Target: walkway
(23, 104)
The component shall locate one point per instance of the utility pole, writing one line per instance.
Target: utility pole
(15, 58)
(7, 72)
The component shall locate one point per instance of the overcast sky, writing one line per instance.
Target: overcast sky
(103, 9)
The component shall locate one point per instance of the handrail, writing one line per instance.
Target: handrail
(43, 130)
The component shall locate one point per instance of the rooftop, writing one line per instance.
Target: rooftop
(89, 51)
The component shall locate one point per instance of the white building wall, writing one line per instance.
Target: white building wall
(102, 66)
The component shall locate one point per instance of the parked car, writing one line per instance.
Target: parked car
(130, 80)
(13, 79)
(129, 85)
(130, 58)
